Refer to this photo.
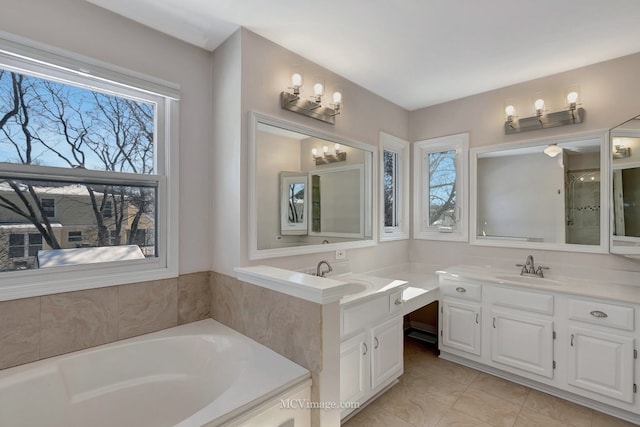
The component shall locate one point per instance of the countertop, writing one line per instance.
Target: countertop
(623, 292)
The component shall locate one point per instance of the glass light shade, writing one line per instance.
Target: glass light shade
(539, 104)
(337, 147)
(552, 150)
(337, 98)
(572, 97)
(325, 149)
(510, 110)
(314, 152)
(318, 89)
(296, 80)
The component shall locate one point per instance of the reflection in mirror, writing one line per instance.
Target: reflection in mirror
(337, 202)
(625, 168)
(308, 188)
(293, 209)
(546, 194)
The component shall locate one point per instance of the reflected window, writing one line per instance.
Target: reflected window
(296, 203)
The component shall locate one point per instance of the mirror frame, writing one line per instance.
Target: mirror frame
(254, 253)
(629, 251)
(603, 247)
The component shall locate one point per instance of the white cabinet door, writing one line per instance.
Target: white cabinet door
(461, 326)
(523, 342)
(354, 368)
(601, 363)
(386, 353)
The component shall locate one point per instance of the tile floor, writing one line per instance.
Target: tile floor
(436, 392)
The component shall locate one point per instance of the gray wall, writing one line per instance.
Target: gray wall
(609, 94)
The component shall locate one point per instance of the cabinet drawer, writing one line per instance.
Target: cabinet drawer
(600, 313)
(362, 315)
(460, 289)
(395, 302)
(522, 300)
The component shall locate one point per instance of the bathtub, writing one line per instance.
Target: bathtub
(202, 373)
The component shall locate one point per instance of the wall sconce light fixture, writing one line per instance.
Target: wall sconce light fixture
(543, 119)
(621, 152)
(339, 156)
(310, 107)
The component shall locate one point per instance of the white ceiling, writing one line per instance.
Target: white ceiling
(415, 53)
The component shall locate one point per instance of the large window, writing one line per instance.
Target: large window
(440, 187)
(394, 154)
(87, 158)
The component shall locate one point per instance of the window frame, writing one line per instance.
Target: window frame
(399, 147)
(459, 143)
(50, 63)
(49, 209)
(77, 236)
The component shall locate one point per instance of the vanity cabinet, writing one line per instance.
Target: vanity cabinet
(522, 342)
(354, 368)
(581, 347)
(461, 314)
(371, 351)
(601, 349)
(387, 350)
(461, 326)
(522, 330)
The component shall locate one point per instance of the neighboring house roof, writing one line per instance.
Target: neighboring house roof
(26, 226)
(63, 190)
(58, 257)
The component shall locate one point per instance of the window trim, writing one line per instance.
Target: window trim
(31, 58)
(45, 208)
(459, 143)
(77, 236)
(401, 148)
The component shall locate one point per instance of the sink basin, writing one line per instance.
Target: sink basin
(528, 280)
(356, 287)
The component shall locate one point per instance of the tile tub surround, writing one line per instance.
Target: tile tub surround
(40, 327)
(287, 325)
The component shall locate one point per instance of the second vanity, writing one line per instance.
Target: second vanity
(571, 338)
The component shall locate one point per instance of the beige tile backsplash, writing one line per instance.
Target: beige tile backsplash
(41, 327)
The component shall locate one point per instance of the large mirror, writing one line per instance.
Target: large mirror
(544, 194)
(625, 182)
(309, 191)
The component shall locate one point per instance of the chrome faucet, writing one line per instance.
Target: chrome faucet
(322, 273)
(529, 268)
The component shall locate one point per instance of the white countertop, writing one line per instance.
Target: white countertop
(420, 287)
(576, 286)
(321, 290)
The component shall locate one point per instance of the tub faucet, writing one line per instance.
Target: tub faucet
(323, 272)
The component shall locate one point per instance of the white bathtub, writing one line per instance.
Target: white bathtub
(202, 373)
